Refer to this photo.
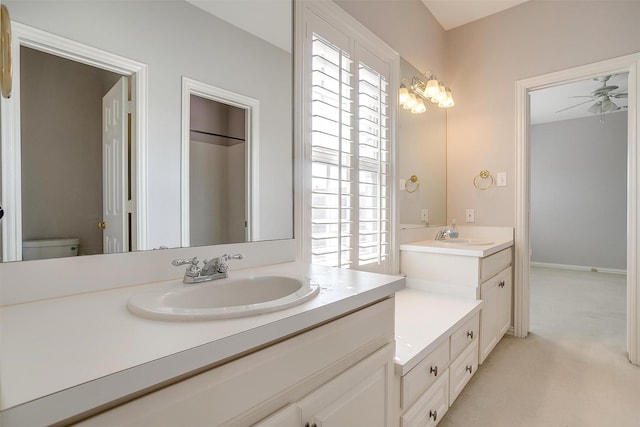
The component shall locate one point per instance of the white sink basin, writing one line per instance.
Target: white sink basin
(225, 298)
(465, 242)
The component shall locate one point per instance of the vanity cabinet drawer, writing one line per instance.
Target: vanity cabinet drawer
(431, 406)
(424, 374)
(462, 369)
(493, 264)
(465, 335)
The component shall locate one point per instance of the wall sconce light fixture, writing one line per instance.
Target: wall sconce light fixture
(429, 89)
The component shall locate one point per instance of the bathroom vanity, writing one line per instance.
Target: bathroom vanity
(87, 354)
(436, 353)
(477, 266)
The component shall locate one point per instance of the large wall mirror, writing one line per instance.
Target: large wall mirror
(92, 140)
(422, 152)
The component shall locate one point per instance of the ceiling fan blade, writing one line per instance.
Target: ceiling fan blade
(583, 96)
(619, 95)
(573, 106)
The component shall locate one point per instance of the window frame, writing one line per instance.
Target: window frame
(352, 37)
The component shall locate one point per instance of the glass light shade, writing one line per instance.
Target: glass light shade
(447, 101)
(419, 107)
(596, 108)
(433, 88)
(608, 106)
(411, 102)
(442, 94)
(403, 95)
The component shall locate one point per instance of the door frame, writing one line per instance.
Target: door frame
(24, 35)
(630, 64)
(251, 106)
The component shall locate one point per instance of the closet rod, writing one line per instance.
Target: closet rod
(217, 134)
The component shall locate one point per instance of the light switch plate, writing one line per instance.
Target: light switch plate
(501, 180)
(470, 215)
(402, 184)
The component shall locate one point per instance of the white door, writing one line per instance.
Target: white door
(114, 168)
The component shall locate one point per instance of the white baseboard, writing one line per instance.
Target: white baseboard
(578, 268)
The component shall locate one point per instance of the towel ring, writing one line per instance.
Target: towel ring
(483, 175)
(412, 180)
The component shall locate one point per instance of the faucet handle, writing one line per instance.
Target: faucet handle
(179, 262)
(221, 265)
(192, 270)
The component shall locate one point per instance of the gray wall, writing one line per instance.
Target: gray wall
(176, 39)
(61, 130)
(579, 192)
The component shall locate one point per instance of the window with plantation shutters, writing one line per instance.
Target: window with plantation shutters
(348, 150)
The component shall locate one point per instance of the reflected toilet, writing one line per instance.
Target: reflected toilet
(49, 248)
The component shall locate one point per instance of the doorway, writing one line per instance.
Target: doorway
(578, 178)
(68, 166)
(11, 141)
(629, 64)
(220, 152)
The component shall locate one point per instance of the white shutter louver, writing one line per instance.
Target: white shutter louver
(350, 201)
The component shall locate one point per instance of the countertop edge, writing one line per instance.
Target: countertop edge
(92, 395)
(463, 250)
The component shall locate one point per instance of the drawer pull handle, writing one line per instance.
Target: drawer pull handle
(434, 415)
(470, 334)
(312, 425)
(501, 283)
(469, 368)
(434, 371)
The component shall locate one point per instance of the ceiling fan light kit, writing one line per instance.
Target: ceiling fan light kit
(601, 98)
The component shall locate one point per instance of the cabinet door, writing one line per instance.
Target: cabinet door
(488, 318)
(289, 416)
(505, 290)
(360, 396)
(430, 407)
(461, 370)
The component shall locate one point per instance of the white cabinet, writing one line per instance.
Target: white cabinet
(290, 416)
(340, 371)
(487, 278)
(358, 397)
(496, 313)
(461, 370)
(437, 339)
(431, 406)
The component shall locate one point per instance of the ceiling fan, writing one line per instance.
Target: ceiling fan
(601, 98)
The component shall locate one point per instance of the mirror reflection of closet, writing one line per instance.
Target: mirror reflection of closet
(217, 173)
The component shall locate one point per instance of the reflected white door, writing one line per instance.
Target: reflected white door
(114, 168)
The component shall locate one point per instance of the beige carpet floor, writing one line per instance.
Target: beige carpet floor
(572, 369)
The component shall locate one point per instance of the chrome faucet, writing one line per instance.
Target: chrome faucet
(442, 234)
(213, 269)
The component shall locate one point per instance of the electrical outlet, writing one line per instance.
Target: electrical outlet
(424, 215)
(470, 215)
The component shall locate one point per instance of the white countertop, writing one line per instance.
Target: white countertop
(424, 321)
(448, 247)
(63, 356)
